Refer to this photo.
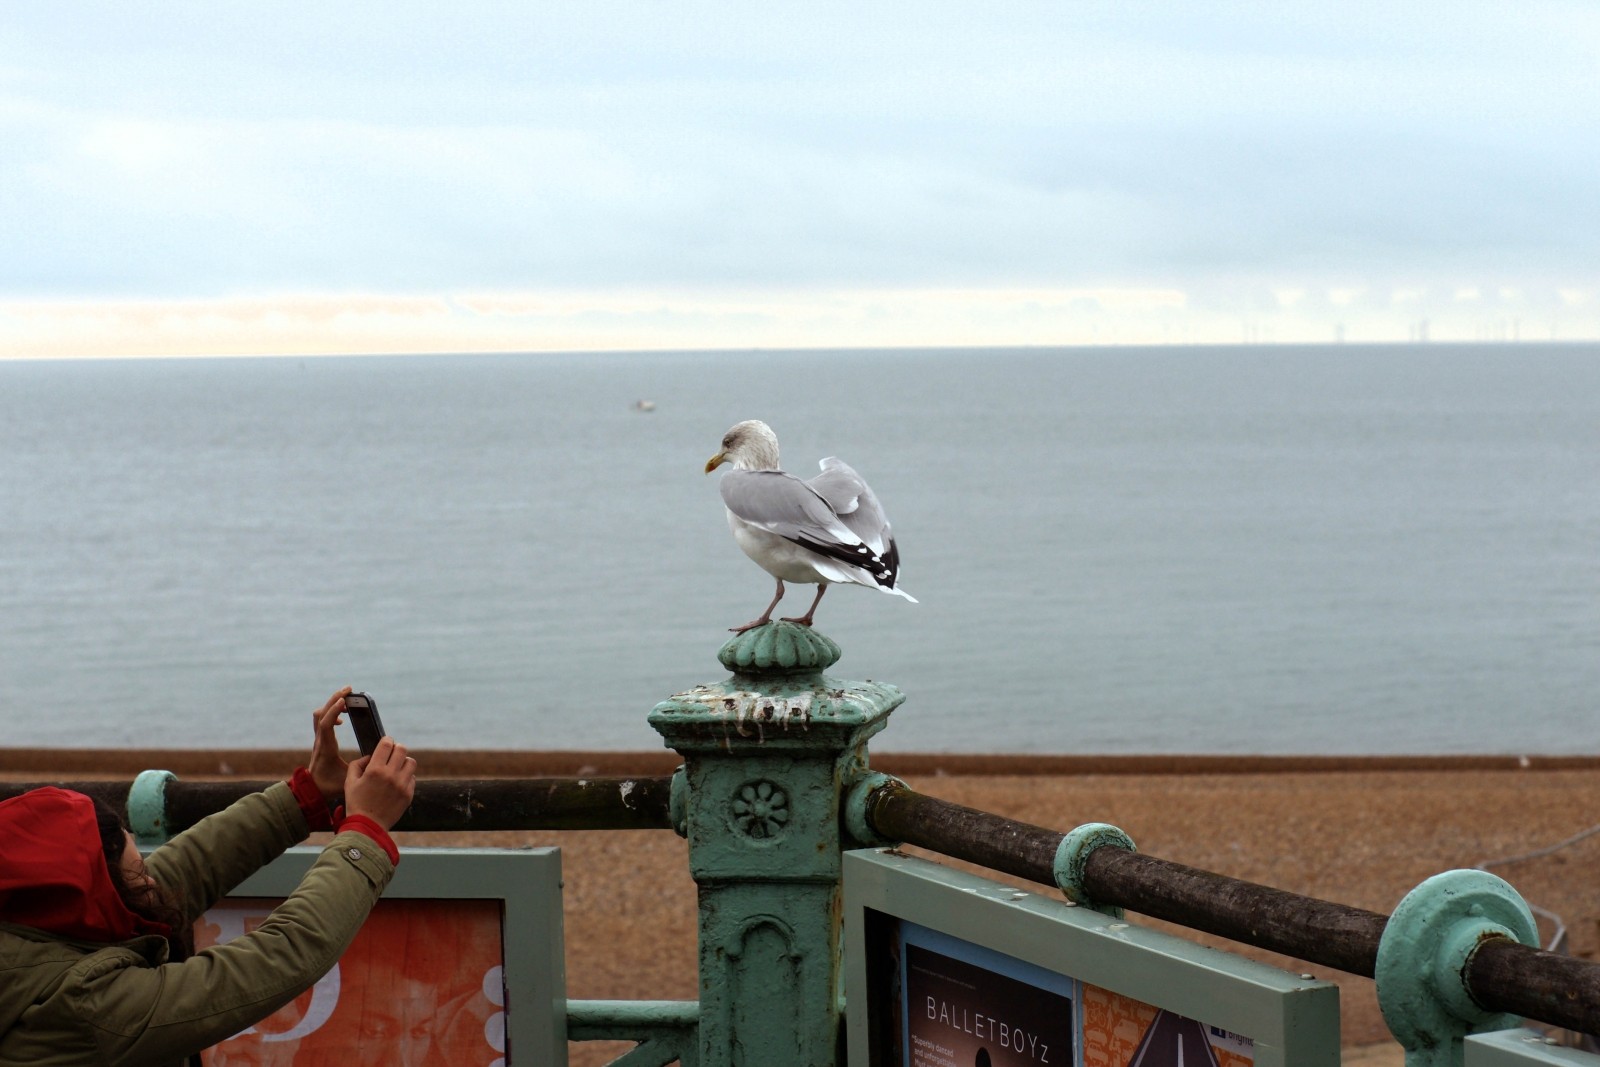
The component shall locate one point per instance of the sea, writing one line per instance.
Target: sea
(1257, 549)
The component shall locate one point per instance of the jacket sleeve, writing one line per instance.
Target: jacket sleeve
(202, 864)
(145, 1015)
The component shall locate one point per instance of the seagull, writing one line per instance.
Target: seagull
(829, 529)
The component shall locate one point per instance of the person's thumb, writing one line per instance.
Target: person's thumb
(357, 768)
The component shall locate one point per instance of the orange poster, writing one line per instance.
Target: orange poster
(420, 986)
(1119, 1031)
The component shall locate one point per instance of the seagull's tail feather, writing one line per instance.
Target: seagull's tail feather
(842, 575)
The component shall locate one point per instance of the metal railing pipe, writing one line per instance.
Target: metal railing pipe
(1501, 976)
(993, 841)
(1334, 935)
(1321, 931)
(1536, 984)
(444, 804)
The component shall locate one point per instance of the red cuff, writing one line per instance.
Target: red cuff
(363, 825)
(313, 805)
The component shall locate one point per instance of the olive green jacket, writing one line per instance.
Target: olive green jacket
(65, 1002)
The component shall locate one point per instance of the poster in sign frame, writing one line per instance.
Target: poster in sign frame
(460, 962)
(957, 970)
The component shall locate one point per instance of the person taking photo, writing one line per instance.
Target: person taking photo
(97, 964)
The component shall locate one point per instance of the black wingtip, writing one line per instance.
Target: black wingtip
(884, 569)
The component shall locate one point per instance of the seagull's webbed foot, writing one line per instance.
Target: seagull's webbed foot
(766, 616)
(805, 620)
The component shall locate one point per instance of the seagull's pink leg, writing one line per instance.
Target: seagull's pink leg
(805, 620)
(766, 616)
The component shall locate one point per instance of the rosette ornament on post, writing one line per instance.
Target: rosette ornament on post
(768, 754)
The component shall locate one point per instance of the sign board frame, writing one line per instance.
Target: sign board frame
(526, 882)
(1293, 1021)
(1522, 1048)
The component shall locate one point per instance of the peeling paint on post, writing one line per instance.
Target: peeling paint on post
(767, 755)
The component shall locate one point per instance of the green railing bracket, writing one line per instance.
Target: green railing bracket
(666, 1030)
(147, 807)
(1423, 956)
(678, 802)
(856, 800)
(1073, 853)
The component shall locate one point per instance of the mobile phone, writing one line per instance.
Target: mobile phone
(363, 713)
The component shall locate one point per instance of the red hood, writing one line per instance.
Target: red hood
(53, 874)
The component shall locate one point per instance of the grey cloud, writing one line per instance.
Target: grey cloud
(410, 147)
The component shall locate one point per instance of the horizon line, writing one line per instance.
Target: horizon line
(731, 349)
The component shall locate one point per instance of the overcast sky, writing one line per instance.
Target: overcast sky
(187, 178)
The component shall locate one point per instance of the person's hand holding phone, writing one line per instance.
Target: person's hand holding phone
(380, 786)
(327, 767)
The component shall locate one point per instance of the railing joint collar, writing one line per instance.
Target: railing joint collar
(147, 807)
(678, 801)
(1072, 855)
(1423, 955)
(859, 797)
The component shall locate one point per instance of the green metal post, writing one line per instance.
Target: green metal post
(767, 755)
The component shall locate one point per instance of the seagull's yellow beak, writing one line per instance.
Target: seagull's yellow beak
(716, 461)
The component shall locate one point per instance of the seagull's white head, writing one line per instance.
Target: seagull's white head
(749, 446)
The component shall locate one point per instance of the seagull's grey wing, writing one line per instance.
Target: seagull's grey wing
(853, 500)
(782, 504)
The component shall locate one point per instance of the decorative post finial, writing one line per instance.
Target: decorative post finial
(779, 648)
